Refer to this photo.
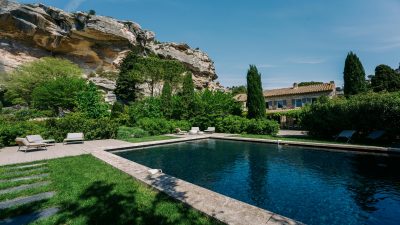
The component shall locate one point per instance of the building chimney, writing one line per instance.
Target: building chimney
(295, 85)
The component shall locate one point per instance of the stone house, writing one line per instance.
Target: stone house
(283, 99)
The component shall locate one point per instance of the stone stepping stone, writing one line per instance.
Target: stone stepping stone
(16, 173)
(25, 200)
(24, 187)
(26, 178)
(26, 166)
(29, 218)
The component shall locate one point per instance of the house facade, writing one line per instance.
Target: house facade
(283, 99)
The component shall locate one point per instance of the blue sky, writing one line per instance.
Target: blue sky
(289, 40)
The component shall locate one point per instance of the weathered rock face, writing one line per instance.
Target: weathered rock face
(29, 32)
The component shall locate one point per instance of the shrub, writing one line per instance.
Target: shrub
(262, 126)
(157, 126)
(147, 108)
(125, 133)
(364, 112)
(102, 128)
(232, 124)
(11, 130)
(237, 125)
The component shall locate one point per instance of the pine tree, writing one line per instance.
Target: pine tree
(126, 87)
(353, 75)
(188, 95)
(166, 100)
(255, 97)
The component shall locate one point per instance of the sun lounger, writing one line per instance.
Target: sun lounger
(346, 134)
(210, 130)
(39, 139)
(374, 135)
(24, 143)
(195, 130)
(180, 132)
(74, 138)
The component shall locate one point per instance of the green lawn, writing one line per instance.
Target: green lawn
(149, 138)
(89, 191)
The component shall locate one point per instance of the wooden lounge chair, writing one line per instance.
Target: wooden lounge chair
(195, 130)
(210, 130)
(180, 132)
(24, 143)
(346, 134)
(39, 139)
(74, 138)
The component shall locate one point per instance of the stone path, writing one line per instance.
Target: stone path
(26, 219)
(26, 178)
(25, 200)
(19, 201)
(21, 172)
(26, 166)
(24, 187)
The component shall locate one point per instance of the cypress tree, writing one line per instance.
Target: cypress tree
(353, 75)
(188, 95)
(255, 97)
(126, 87)
(166, 100)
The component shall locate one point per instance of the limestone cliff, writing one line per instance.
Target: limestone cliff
(29, 32)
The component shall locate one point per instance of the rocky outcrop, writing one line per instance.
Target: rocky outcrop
(29, 32)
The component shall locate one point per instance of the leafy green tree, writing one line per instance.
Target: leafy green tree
(127, 89)
(187, 98)
(255, 97)
(385, 79)
(166, 100)
(354, 76)
(89, 101)
(173, 71)
(238, 90)
(29, 76)
(60, 93)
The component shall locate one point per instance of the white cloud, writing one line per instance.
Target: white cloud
(72, 5)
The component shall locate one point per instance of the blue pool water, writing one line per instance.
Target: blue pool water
(311, 186)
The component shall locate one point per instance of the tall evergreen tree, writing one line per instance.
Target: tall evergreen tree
(166, 100)
(188, 95)
(353, 75)
(385, 79)
(255, 97)
(127, 83)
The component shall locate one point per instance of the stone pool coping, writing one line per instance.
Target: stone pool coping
(324, 146)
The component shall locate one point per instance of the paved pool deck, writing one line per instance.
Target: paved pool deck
(221, 207)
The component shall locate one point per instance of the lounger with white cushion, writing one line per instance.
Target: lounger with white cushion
(195, 130)
(24, 143)
(39, 139)
(346, 134)
(210, 130)
(74, 138)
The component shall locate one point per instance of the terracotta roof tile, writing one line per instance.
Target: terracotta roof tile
(300, 90)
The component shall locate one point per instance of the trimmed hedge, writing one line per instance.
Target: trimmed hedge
(238, 124)
(157, 126)
(364, 112)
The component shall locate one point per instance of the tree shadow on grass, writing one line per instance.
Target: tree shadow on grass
(101, 203)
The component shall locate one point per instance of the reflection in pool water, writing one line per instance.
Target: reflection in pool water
(311, 186)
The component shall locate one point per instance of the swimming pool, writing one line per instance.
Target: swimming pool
(308, 185)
